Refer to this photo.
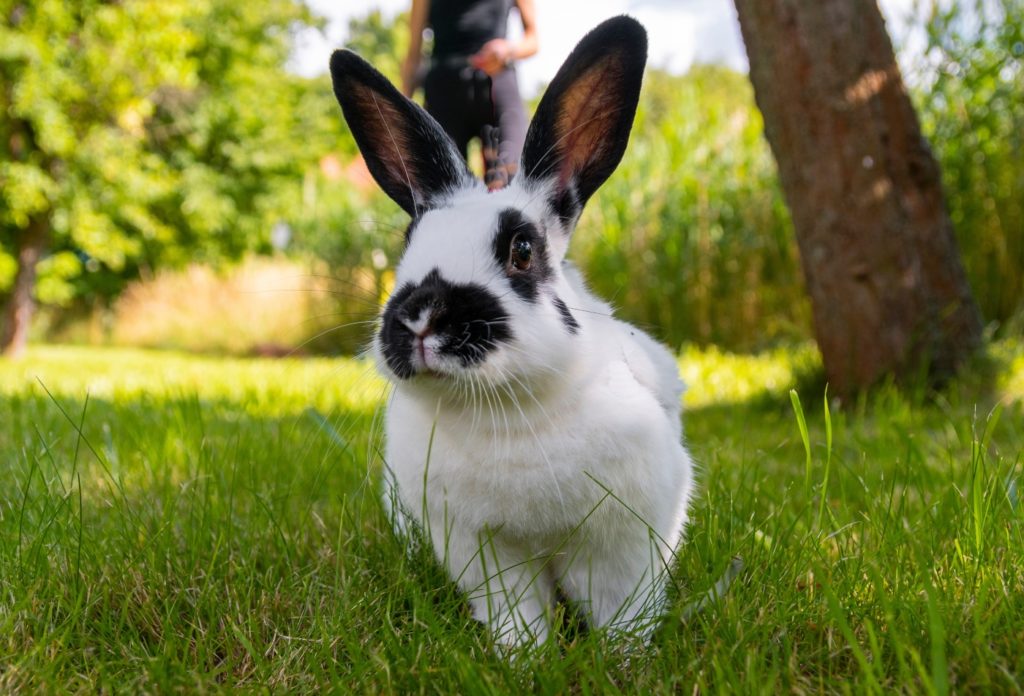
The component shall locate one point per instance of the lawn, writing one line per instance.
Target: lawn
(180, 523)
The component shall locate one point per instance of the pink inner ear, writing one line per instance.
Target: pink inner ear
(586, 117)
(383, 127)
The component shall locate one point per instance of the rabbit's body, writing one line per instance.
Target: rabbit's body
(534, 471)
(535, 438)
(595, 502)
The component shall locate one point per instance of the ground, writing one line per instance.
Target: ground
(170, 522)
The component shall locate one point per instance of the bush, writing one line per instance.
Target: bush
(262, 306)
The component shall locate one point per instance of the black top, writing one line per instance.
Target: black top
(462, 27)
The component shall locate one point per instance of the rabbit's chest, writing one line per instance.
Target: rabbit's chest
(534, 476)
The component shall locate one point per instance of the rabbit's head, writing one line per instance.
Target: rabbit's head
(480, 291)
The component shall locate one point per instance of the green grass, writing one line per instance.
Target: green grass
(178, 523)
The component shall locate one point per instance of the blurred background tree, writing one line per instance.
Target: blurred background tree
(381, 40)
(140, 134)
(887, 288)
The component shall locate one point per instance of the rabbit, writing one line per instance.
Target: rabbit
(533, 439)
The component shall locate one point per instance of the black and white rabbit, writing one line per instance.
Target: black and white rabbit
(534, 437)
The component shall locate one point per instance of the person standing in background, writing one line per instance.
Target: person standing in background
(470, 85)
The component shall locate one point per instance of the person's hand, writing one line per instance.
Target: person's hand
(493, 57)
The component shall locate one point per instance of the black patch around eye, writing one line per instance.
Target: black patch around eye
(467, 318)
(525, 283)
(567, 318)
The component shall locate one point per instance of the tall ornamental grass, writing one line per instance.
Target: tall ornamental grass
(691, 237)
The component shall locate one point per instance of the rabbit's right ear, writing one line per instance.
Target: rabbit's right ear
(581, 128)
(406, 151)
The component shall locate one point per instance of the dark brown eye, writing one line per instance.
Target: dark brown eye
(521, 252)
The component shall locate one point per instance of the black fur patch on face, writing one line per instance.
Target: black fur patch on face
(565, 206)
(410, 229)
(567, 318)
(525, 283)
(467, 318)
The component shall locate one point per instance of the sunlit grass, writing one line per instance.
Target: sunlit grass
(261, 387)
(171, 522)
(714, 376)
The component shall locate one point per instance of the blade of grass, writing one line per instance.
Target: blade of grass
(801, 422)
(828, 458)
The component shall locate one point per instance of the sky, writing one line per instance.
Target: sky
(680, 32)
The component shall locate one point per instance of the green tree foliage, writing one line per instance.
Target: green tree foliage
(381, 40)
(149, 132)
(341, 221)
(345, 222)
(971, 102)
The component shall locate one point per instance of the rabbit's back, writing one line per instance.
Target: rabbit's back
(653, 366)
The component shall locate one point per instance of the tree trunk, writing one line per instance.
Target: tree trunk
(18, 317)
(888, 291)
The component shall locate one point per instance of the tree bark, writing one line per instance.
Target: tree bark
(888, 292)
(21, 306)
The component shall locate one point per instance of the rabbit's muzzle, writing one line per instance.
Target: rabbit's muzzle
(439, 327)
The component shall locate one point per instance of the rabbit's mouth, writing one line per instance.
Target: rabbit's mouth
(427, 357)
(438, 328)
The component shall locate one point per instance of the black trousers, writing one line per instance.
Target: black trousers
(464, 100)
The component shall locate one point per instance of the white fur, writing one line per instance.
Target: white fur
(557, 459)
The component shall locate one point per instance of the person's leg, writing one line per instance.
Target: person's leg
(447, 100)
(510, 118)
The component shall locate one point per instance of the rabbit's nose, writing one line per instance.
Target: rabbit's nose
(421, 324)
(423, 308)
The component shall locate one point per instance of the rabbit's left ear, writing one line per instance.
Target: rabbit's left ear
(580, 130)
(406, 151)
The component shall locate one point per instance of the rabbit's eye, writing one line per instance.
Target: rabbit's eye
(522, 253)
